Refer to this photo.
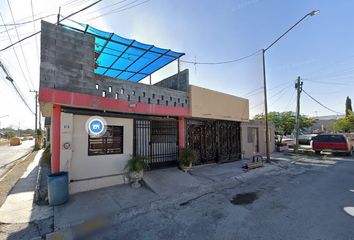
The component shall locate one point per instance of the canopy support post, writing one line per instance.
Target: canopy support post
(178, 65)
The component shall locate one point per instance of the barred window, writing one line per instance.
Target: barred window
(110, 143)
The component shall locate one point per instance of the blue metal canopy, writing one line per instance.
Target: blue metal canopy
(124, 58)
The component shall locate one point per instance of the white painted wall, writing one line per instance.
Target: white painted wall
(66, 136)
(97, 170)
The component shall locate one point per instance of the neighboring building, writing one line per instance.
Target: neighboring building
(254, 137)
(85, 72)
(323, 124)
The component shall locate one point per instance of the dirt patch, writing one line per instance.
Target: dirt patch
(4, 143)
(244, 198)
(12, 176)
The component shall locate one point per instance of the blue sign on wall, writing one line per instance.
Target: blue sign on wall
(96, 126)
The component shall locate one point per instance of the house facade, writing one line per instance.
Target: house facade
(81, 82)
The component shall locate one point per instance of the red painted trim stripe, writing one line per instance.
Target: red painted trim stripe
(181, 132)
(81, 100)
(56, 138)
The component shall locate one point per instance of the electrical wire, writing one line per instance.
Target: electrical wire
(274, 95)
(18, 60)
(326, 82)
(21, 96)
(16, 88)
(278, 98)
(328, 66)
(104, 7)
(34, 28)
(27, 22)
(10, 29)
(72, 14)
(290, 100)
(320, 103)
(222, 62)
(23, 54)
(120, 9)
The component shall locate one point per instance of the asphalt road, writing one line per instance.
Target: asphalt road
(305, 200)
(10, 154)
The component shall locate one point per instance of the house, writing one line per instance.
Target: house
(89, 82)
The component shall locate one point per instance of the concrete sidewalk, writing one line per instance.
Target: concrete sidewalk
(105, 206)
(101, 202)
(18, 206)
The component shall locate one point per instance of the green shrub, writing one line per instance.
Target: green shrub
(135, 164)
(187, 156)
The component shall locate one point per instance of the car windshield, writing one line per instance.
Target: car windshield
(330, 138)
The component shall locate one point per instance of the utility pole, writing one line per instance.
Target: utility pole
(265, 108)
(298, 86)
(36, 113)
(312, 13)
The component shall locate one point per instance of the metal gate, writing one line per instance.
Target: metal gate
(157, 140)
(201, 137)
(229, 141)
(214, 141)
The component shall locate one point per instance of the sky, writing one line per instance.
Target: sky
(319, 50)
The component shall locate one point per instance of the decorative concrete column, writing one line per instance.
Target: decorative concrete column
(181, 131)
(56, 138)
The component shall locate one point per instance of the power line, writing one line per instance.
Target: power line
(18, 91)
(18, 60)
(320, 103)
(23, 54)
(34, 28)
(104, 7)
(83, 9)
(41, 13)
(34, 34)
(250, 93)
(278, 98)
(120, 9)
(222, 62)
(290, 100)
(10, 29)
(23, 23)
(326, 82)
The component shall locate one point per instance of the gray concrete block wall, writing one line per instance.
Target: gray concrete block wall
(67, 63)
(179, 81)
(67, 58)
(139, 92)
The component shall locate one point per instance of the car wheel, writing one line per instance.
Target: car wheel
(318, 152)
(349, 153)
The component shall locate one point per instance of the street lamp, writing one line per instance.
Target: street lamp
(313, 13)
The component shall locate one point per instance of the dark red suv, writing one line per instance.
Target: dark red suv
(337, 143)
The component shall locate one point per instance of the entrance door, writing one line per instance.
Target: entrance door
(157, 140)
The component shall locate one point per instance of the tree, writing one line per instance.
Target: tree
(284, 122)
(9, 134)
(345, 124)
(348, 107)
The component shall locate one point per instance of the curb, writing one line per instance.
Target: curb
(38, 181)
